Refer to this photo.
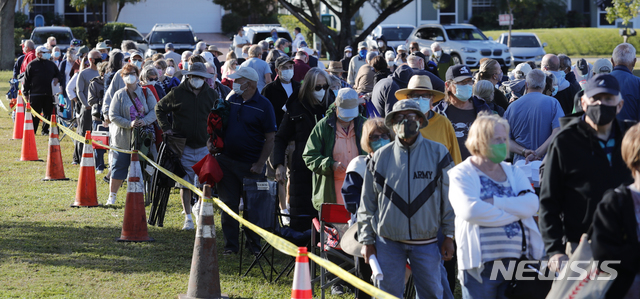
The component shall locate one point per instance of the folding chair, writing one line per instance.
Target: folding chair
(335, 215)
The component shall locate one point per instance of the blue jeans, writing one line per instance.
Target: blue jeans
(488, 289)
(393, 256)
(99, 153)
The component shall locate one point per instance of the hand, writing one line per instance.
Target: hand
(556, 262)
(531, 157)
(212, 149)
(338, 167)
(106, 122)
(257, 168)
(528, 152)
(168, 132)
(136, 123)
(281, 173)
(367, 251)
(447, 249)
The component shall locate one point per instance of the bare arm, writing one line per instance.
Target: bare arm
(267, 78)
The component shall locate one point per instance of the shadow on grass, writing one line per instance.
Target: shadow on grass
(93, 247)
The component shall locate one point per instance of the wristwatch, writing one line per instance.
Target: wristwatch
(523, 150)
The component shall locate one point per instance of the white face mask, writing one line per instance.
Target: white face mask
(391, 63)
(380, 44)
(131, 79)
(287, 75)
(437, 53)
(348, 54)
(153, 82)
(319, 95)
(196, 82)
(237, 88)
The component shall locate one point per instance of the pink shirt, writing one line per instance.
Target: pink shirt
(344, 150)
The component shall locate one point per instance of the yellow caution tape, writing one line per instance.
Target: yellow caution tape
(281, 244)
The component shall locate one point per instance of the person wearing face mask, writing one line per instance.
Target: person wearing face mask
(551, 87)
(131, 108)
(566, 91)
(391, 61)
(346, 59)
(85, 121)
(534, 120)
(248, 142)
(51, 42)
(136, 58)
(442, 60)
(56, 56)
(279, 91)
(335, 70)
(333, 143)
(239, 40)
(583, 161)
(304, 109)
(383, 48)
(582, 70)
(281, 45)
(356, 63)
(491, 71)
(494, 204)
(406, 169)
(104, 50)
(364, 79)
(259, 65)
(82, 53)
(189, 104)
(459, 105)
(184, 65)
(38, 76)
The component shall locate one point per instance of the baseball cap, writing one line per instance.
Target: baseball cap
(524, 67)
(401, 106)
(348, 48)
(583, 66)
(458, 72)
(601, 83)
(42, 49)
(602, 65)
(83, 50)
(169, 46)
(76, 42)
(402, 48)
(282, 60)
(302, 44)
(362, 45)
(347, 101)
(245, 72)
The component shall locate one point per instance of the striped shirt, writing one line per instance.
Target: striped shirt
(501, 241)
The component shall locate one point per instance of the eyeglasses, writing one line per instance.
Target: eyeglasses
(426, 96)
(400, 117)
(325, 87)
(376, 137)
(127, 74)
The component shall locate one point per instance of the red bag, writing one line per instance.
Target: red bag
(208, 170)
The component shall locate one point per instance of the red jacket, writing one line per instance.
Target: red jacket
(28, 57)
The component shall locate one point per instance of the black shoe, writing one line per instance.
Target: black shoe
(337, 289)
(45, 133)
(106, 179)
(228, 252)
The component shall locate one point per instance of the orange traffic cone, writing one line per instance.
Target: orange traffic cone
(19, 123)
(29, 149)
(204, 280)
(302, 276)
(86, 194)
(55, 170)
(134, 226)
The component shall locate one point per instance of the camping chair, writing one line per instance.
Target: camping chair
(65, 115)
(337, 216)
(267, 252)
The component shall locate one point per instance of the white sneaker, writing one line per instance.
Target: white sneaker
(241, 206)
(285, 219)
(99, 171)
(188, 225)
(111, 201)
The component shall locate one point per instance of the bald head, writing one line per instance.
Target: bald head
(550, 62)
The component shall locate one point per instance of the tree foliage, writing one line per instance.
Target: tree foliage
(623, 9)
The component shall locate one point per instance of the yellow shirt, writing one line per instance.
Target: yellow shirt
(441, 130)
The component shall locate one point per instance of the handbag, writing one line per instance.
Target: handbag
(568, 285)
(531, 287)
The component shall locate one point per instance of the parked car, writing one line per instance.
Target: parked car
(524, 47)
(465, 43)
(395, 34)
(257, 32)
(62, 34)
(181, 35)
(135, 36)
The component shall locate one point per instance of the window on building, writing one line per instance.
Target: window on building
(39, 7)
(479, 6)
(76, 18)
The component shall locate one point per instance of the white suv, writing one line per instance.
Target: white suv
(465, 43)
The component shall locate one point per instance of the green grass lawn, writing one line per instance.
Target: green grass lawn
(576, 42)
(49, 250)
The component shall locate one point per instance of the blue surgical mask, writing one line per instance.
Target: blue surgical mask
(375, 145)
(463, 92)
(137, 63)
(362, 53)
(346, 119)
(425, 104)
(46, 56)
(555, 91)
(104, 56)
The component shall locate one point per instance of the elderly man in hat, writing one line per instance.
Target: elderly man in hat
(583, 161)
(190, 104)
(356, 63)
(248, 142)
(37, 85)
(337, 71)
(404, 204)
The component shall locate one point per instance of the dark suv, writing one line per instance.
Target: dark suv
(63, 36)
(180, 35)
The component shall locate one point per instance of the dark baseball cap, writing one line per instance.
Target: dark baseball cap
(419, 54)
(458, 72)
(282, 60)
(602, 83)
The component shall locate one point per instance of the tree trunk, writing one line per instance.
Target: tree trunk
(120, 6)
(7, 50)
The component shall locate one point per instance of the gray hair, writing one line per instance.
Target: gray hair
(536, 80)
(255, 51)
(624, 54)
(273, 55)
(128, 45)
(264, 44)
(484, 89)
(279, 42)
(210, 65)
(414, 61)
(565, 61)
(201, 46)
(186, 55)
(29, 44)
(147, 71)
(370, 56)
(434, 45)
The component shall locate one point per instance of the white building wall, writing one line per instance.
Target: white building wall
(407, 15)
(203, 15)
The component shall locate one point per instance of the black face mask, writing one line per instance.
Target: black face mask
(97, 60)
(601, 114)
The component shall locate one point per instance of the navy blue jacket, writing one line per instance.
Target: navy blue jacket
(630, 89)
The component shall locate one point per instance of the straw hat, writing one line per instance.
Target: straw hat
(419, 83)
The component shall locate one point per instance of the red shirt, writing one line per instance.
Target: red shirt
(300, 69)
(28, 57)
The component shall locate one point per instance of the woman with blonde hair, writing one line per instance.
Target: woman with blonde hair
(494, 205)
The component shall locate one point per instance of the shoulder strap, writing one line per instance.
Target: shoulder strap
(133, 102)
(524, 238)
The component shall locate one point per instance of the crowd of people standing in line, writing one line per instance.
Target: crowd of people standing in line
(412, 145)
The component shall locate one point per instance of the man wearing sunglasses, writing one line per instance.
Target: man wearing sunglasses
(248, 142)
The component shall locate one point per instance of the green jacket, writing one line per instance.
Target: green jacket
(318, 155)
(190, 112)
